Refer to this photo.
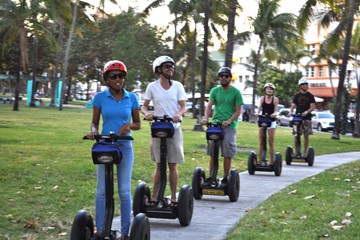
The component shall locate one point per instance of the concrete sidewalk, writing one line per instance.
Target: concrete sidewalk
(214, 216)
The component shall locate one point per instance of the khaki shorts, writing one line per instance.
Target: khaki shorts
(175, 148)
(306, 128)
(227, 145)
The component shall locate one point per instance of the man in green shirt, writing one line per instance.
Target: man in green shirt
(227, 100)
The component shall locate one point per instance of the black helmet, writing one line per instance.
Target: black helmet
(225, 70)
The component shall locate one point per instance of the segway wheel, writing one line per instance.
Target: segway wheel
(234, 186)
(278, 164)
(140, 228)
(197, 180)
(310, 156)
(141, 196)
(82, 227)
(288, 155)
(251, 163)
(185, 205)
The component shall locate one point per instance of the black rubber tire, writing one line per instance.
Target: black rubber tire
(319, 128)
(234, 186)
(278, 164)
(288, 155)
(185, 205)
(82, 227)
(197, 180)
(251, 163)
(310, 156)
(140, 228)
(141, 195)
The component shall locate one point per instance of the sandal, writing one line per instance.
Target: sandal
(173, 204)
(151, 203)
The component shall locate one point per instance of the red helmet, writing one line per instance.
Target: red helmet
(113, 65)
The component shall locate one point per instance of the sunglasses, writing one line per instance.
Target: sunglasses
(167, 66)
(303, 84)
(224, 76)
(119, 75)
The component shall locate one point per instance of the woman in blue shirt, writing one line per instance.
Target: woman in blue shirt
(120, 113)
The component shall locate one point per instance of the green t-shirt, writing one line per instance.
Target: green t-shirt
(225, 102)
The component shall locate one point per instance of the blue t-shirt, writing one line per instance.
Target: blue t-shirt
(115, 113)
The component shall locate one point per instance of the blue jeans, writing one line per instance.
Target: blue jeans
(124, 171)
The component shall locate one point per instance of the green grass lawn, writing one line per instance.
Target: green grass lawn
(47, 173)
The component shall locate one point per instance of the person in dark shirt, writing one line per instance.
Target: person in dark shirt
(304, 102)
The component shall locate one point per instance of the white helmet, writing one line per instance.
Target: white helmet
(269, 85)
(302, 80)
(160, 60)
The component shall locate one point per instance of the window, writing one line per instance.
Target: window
(320, 71)
(312, 71)
(240, 79)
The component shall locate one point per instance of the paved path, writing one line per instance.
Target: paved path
(214, 217)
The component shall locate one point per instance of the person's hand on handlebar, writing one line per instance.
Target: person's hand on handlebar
(304, 113)
(204, 121)
(176, 118)
(91, 135)
(149, 117)
(125, 129)
(226, 123)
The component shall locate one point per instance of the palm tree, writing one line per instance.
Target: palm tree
(274, 31)
(231, 33)
(20, 19)
(355, 50)
(349, 26)
(345, 26)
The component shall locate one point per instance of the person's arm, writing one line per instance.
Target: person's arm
(233, 117)
(293, 105)
(276, 106)
(145, 111)
(94, 126)
(182, 111)
(207, 113)
(135, 125)
(311, 108)
(260, 106)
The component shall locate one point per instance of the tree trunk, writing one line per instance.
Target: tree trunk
(346, 52)
(67, 53)
(230, 34)
(205, 56)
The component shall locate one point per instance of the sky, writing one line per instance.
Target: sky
(161, 17)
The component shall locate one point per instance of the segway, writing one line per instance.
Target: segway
(104, 151)
(264, 121)
(213, 185)
(162, 128)
(296, 122)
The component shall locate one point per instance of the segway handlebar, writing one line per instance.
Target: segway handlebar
(110, 138)
(214, 124)
(164, 118)
(297, 115)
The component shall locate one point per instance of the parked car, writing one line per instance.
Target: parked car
(323, 121)
(283, 119)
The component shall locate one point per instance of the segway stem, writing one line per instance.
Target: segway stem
(264, 150)
(109, 197)
(162, 184)
(215, 160)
